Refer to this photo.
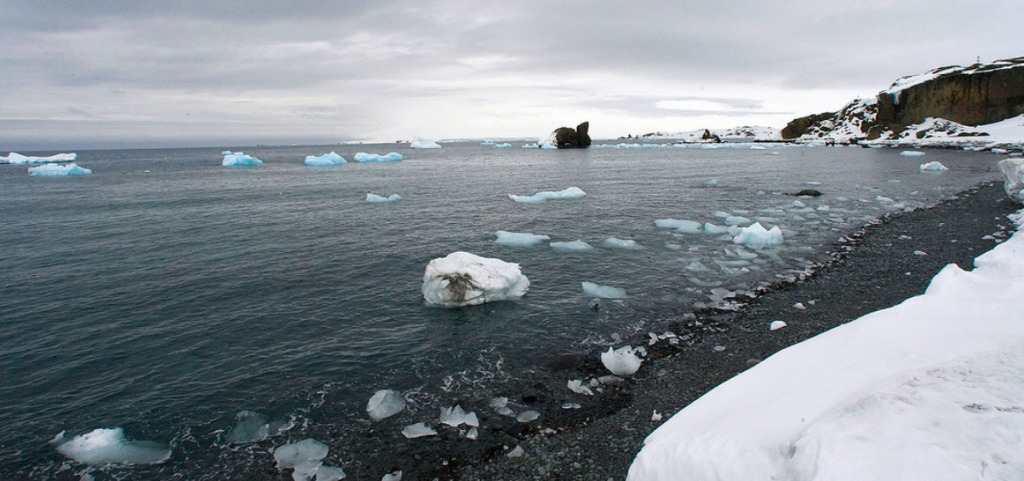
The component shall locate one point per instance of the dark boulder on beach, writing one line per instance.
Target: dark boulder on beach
(569, 138)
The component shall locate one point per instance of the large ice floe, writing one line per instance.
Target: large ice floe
(109, 446)
(424, 143)
(327, 160)
(544, 196)
(932, 388)
(464, 279)
(18, 159)
(57, 170)
(240, 159)
(365, 157)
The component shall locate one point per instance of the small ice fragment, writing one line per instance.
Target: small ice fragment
(757, 237)
(711, 182)
(715, 229)
(251, 427)
(57, 170)
(473, 433)
(392, 476)
(364, 157)
(570, 405)
(238, 159)
(736, 220)
(799, 306)
(684, 226)
(385, 403)
(325, 160)
(424, 143)
(576, 386)
(617, 243)
(516, 453)
(798, 204)
(574, 246)
(622, 361)
(519, 239)
(527, 416)
(502, 146)
(109, 446)
(911, 153)
(593, 290)
(295, 454)
(656, 417)
(920, 253)
(455, 416)
(379, 198)
(776, 325)
(329, 473)
(933, 167)
(718, 348)
(539, 197)
(418, 430)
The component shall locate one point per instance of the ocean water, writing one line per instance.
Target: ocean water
(166, 294)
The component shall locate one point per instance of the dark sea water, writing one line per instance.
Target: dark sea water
(165, 294)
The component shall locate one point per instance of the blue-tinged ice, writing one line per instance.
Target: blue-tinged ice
(616, 243)
(684, 226)
(385, 403)
(326, 160)
(109, 446)
(715, 229)
(933, 167)
(574, 246)
(57, 170)
(305, 457)
(239, 159)
(544, 196)
(380, 198)
(519, 239)
(456, 416)
(226, 152)
(18, 159)
(365, 157)
(591, 289)
(547, 146)
(424, 143)
(757, 237)
(736, 220)
(502, 146)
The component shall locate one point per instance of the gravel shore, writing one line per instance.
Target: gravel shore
(883, 265)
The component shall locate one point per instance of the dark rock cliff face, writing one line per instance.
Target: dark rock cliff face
(568, 138)
(797, 127)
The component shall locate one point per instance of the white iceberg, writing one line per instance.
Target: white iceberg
(424, 143)
(911, 153)
(1013, 178)
(464, 279)
(757, 237)
(502, 146)
(591, 289)
(57, 170)
(539, 197)
(240, 159)
(933, 167)
(379, 198)
(18, 159)
(684, 226)
(616, 243)
(456, 416)
(418, 430)
(622, 361)
(519, 239)
(385, 403)
(326, 160)
(365, 157)
(574, 246)
(109, 446)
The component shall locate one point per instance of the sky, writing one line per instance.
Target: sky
(124, 73)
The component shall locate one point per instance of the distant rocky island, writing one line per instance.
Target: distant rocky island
(570, 138)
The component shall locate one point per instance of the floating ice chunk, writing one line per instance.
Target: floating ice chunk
(798, 204)
(519, 239)
(576, 386)
(455, 416)
(622, 361)
(500, 406)
(757, 237)
(385, 403)
(239, 159)
(565, 194)
(392, 476)
(502, 146)
(711, 183)
(715, 229)
(18, 159)
(304, 457)
(329, 473)
(617, 243)
(574, 246)
(528, 416)
(56, 170)
(424, 143)
(547, 146)
(883, 199)
(325, 160)
(530, 146)
(109, 446)
(911, 153)
(379, 198)
(933, 167)
(684, 226)
(226, 152)
(464, 279)
(656, 417)
(736, 220)
(418, 430)
(365, 157)
(591, 289)
(776, 325)
(1013, 178)
(251, 427)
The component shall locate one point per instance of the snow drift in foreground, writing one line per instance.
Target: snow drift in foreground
(932, 388)
(566, 194)
(464, 279)
(18, 159)
(56, 170)
(109, 446)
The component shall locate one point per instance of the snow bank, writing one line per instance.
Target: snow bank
(464, 279)
(240, 159)
(566, 194)
(18, 159)
(928, 389)
(519, 239)
(325, 160)
(1013, 173)
(365, 157)
(757, 237)
(384, 404)
(109, 446)
(591, 289)
(56, 170)
(379, 198)
(424, 143)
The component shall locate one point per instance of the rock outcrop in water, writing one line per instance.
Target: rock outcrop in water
(569, 138)
(975, 95)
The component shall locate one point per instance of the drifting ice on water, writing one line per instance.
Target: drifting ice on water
(464, 279)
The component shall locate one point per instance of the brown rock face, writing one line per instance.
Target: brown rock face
(797, 127)
(568, 138)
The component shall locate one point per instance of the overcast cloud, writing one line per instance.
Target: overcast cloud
(81, 74)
